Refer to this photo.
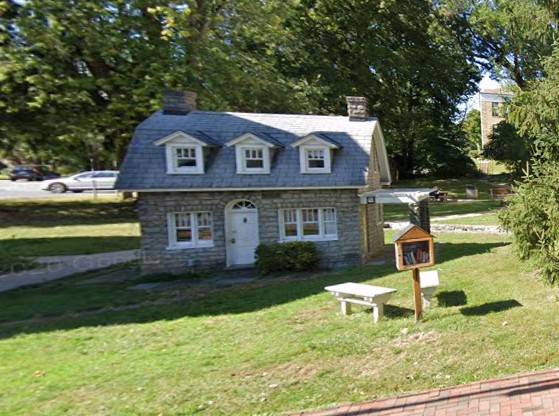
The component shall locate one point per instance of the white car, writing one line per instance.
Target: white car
(91, 180)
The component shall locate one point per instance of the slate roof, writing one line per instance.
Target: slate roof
(144, 167)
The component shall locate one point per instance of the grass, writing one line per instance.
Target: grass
(483, 219)
(457, 187)
(277, 345)
(401, 212)
(46, 227)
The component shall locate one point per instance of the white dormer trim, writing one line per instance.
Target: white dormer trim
(314, 140)
(252, 154)
(181, 146)
(384, 166)
(315, 154)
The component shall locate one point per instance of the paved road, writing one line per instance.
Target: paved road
(23, 189)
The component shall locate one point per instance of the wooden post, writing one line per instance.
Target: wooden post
(417, 296)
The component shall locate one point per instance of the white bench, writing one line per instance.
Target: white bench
(429, 282)
(368, 295)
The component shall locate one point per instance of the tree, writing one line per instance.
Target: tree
(533, 214)
(509, 37)
(78, 76)
(507, 146)
(471, 127)
(401, 55)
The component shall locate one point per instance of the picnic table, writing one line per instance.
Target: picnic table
(361, 294)
(443, 197)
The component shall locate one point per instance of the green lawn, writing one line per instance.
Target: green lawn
(401, 212)
(274, 346)
(483, 219)
(456, 187)
(42, 227)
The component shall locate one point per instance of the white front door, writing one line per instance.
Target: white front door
(242, 233)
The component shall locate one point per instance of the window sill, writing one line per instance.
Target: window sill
(253, 173)
(313, 239)
(187, 247)
(184, 173)
(315, 172)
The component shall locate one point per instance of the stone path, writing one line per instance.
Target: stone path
(488, 229)
(57, 267)
(531, 394)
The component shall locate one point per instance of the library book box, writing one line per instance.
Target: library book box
(414, 248)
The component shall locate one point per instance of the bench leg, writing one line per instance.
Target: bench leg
(378, 312)
(346, 307)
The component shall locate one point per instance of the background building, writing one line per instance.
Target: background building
(492, 110)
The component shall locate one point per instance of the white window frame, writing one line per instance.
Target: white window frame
(241, 159)
(304, 153)
(172, 159)
(496, 109)
(195, 227)
(322, 220)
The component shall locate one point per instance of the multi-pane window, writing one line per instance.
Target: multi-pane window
(185, 157)
(190, 229)
(496, 109)
(308, 224)
(316, 158)
(254, 158)
(290, 223)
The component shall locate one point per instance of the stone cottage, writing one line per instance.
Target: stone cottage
(212, 186)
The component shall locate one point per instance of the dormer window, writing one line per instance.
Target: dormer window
(315, 153)
(253, 153)
(316, 158)
(253, 158)
(184, 152)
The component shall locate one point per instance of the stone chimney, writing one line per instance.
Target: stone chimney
(178, 102)
(357, 108)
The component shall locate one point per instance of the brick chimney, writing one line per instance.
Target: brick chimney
(357, 108)
(178, 102)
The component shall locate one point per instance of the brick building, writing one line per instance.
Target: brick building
(492, 110)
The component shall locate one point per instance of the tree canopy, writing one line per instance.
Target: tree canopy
(76, 77)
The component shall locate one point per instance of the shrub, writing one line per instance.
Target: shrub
(532, 216)
(293, 256)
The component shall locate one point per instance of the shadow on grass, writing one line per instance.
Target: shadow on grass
(62, 246)
(198, 302)
(490, 307)
(452, 251)
(394, 312)
(452, 298)
(60, 212)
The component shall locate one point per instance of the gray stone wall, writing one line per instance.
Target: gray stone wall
(153, 209)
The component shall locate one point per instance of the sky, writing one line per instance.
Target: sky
(486, 82)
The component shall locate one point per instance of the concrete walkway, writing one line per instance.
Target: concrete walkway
(57, 267)
(522, 395)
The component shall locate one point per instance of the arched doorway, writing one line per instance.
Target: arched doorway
(242, 238)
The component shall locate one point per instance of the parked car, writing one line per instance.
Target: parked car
(32, 173)
(101, 179)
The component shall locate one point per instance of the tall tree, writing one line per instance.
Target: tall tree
(509, 37)
(77, 76)
(533, 214)
(402, 55)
